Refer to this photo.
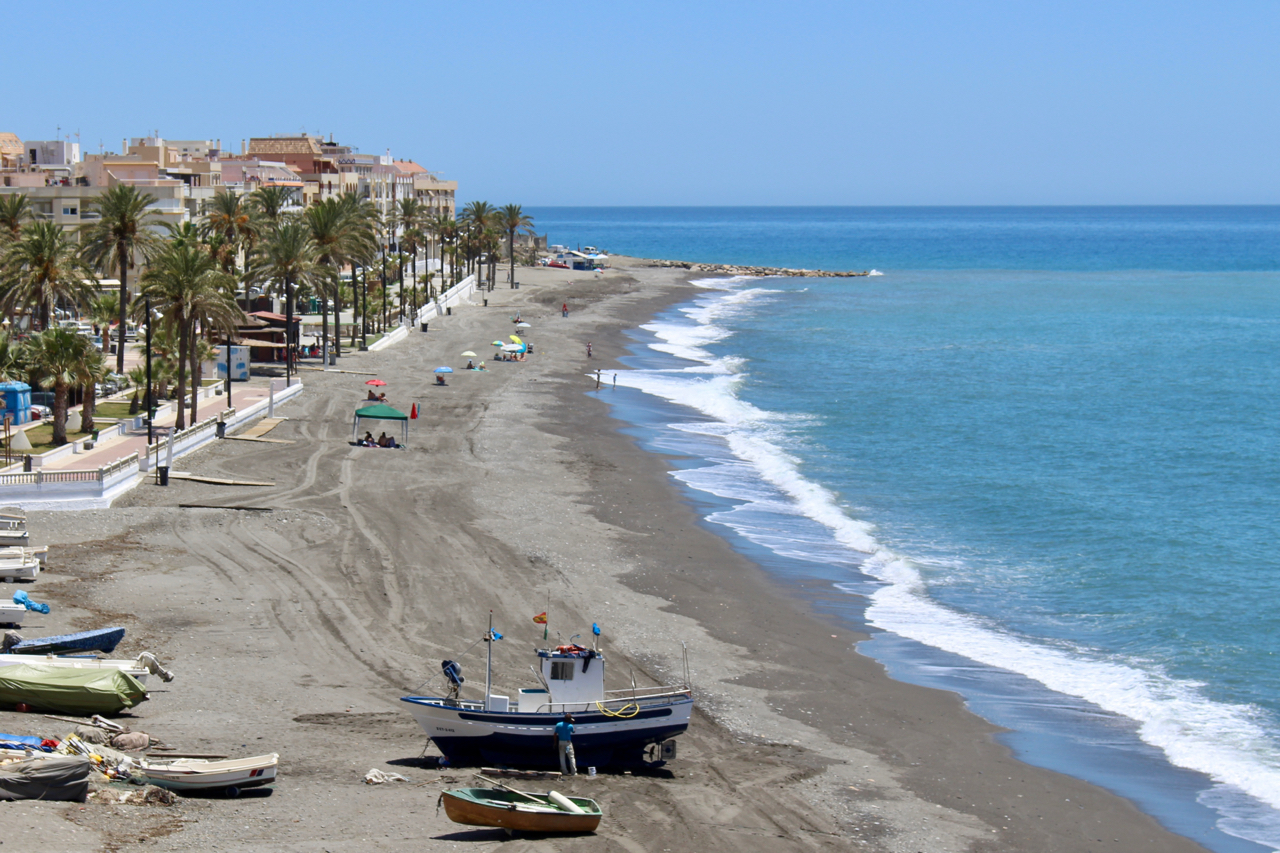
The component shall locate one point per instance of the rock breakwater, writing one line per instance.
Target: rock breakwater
(731, 269)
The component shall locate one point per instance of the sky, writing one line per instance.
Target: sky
(693, 103)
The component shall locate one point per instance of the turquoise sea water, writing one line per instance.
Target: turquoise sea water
(1039, 452)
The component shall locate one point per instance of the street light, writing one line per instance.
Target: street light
(364, 307)
(150, 404)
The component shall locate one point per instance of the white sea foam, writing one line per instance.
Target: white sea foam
(1230, 743)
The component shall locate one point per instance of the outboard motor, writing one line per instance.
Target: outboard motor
(453, 672)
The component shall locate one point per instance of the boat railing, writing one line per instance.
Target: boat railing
(615, 699)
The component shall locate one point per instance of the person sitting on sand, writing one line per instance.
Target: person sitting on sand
(372, 395)
(382, 440)
(382, 398)
(481, 367)
(471, 365)
(440, 379)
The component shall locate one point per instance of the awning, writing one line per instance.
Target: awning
(381, 412)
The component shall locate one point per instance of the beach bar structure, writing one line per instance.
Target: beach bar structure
(380, 412)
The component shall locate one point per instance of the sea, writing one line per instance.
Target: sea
(1036, 455)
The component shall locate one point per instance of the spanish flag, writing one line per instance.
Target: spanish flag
(541, 618)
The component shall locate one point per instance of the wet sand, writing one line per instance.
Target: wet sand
(298, 630)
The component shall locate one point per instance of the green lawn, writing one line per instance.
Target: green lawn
(41, 438)
(115, 409)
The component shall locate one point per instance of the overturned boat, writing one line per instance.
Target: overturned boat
(102, 640)
(610, 726)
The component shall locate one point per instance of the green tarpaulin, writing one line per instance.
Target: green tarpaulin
(69, 691)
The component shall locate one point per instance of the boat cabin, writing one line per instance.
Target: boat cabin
(573, 679)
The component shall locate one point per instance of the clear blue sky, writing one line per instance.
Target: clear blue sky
(691, 103)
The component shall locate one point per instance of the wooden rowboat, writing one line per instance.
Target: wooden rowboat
(517, 811)
(195, 774)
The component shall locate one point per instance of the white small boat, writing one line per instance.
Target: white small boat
(16, 553)
(19, 571)
(10, 537)
(12, 614)
(199, 774)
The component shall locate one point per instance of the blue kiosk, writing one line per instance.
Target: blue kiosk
(17, 401)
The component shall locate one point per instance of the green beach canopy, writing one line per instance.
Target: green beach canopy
(381, 412)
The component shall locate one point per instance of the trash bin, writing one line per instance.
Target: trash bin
(486, 303)
(448, 311)
(162, 471)
(221, 427)
(424, 326)
(26, 463)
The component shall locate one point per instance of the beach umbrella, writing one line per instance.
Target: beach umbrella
(522, 325)
(513, 348)
(497, 343)
(469, 354)
(515, 339)
(375, 382)
(444, 370)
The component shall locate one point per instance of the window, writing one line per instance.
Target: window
(562, 670)
(70, 211)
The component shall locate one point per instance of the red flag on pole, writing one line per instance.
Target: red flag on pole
(413, 414)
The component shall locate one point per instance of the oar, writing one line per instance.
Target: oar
(498, 784)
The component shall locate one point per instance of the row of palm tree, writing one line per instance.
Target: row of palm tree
(191, 275)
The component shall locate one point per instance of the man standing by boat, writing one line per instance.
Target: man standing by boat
(564, 743)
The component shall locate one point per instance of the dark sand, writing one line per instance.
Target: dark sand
(297, 631)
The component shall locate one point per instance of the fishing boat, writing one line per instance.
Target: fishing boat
(610, 726)
(520, 811)
(199, 774)
(102, 640)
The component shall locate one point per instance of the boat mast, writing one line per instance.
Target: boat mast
(488, 670)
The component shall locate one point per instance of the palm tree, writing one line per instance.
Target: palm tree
(120, 234)
(231, 217)
(183, 284)
(512, 218)
(477, 216)
(410, 215)
(286, 256)
(92, 371)
(339, 229)
(43, 267)
(269, 203)
(57, 356)
(15, 211)
(102, 311)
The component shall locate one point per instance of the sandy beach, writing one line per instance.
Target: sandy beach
(297, 630)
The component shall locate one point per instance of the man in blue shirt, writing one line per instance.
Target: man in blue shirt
(564, 742)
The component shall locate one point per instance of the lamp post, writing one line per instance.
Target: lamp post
(150, 404)
(384, 282)
(400, 255)
(288, 331)
(363, 296)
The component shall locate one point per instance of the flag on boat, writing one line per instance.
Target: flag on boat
(541, 618)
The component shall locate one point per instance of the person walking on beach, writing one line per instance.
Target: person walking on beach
(564, 744)
(588, 349)
(564, 310)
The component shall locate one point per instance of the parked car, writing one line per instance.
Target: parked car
(39, 412)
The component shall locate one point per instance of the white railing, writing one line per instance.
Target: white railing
(92, 475)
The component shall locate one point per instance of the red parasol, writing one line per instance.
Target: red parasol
(375, 382)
